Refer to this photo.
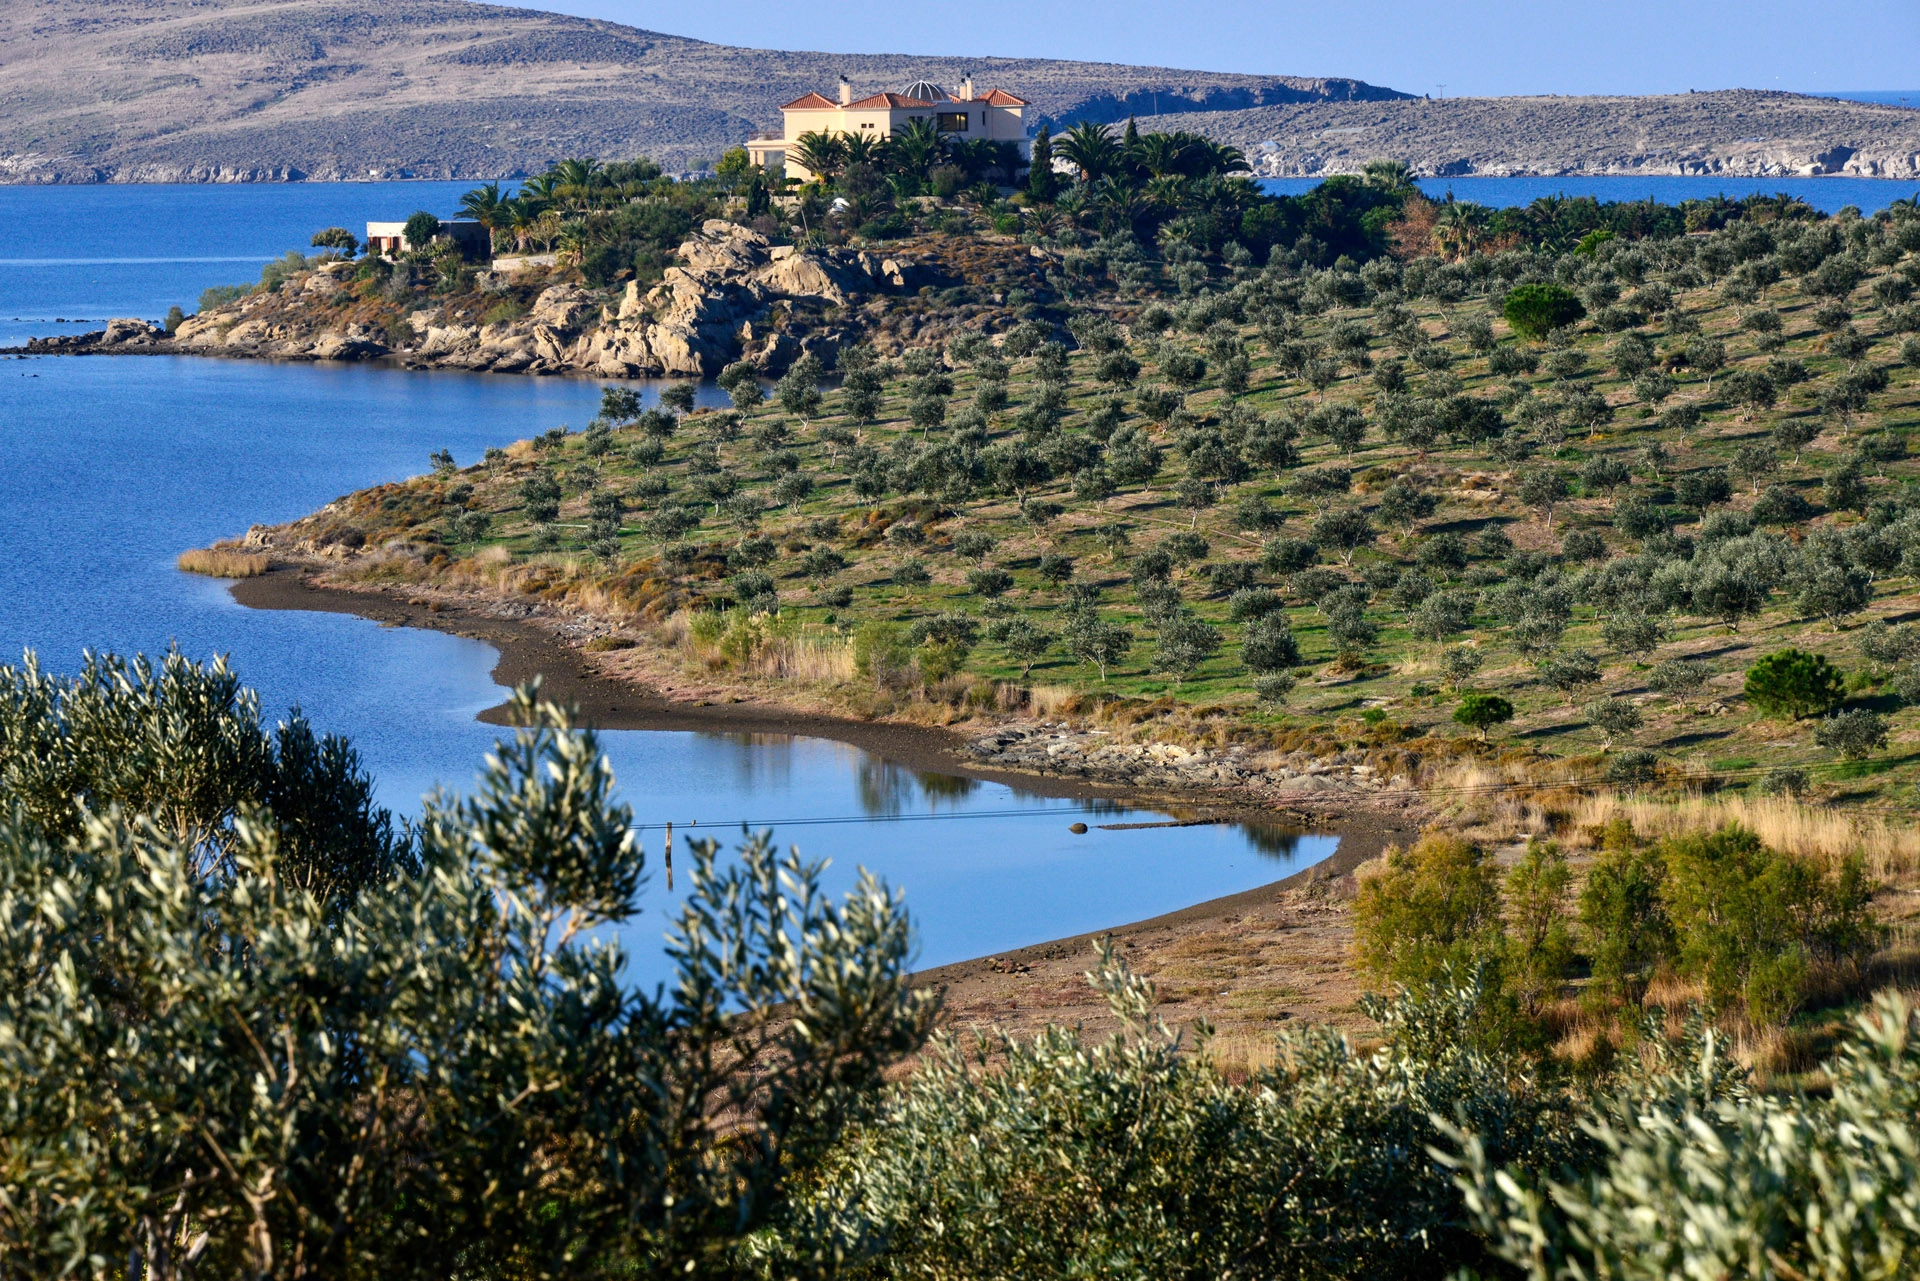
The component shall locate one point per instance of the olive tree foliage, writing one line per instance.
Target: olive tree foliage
(247, 1030)
(1066, 1156)
(1699, 1176)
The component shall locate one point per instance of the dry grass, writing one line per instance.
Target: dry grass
(1242, 1054)
(1500, 802)
(1492, 803)
(221, 561)
(1050, 702)
(1890, 851)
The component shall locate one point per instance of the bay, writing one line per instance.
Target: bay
(118, 464)
(1828, 195)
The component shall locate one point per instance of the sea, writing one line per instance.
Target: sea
(117, 464)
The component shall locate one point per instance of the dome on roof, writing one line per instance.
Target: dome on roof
(925, 91)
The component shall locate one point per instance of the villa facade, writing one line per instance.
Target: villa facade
(996, 116)
(389, 239)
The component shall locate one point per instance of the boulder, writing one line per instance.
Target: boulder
(630, 305)
(444, 339)
(564, 307)
(723, 249)
(810, 276)
(126, 329)
(777, 355)
(551, 343)
(679, 348)
(342, 347)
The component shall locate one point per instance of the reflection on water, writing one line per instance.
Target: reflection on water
(888, 789)
(1275, 842)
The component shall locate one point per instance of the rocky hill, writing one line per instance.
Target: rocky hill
(1734, 132)
(239, 90)
(733, 294)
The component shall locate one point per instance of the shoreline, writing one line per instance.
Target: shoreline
(973, 987)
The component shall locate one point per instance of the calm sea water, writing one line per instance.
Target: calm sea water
(1828, 195)
(117, 464)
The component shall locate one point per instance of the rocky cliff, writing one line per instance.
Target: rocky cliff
(236, 90)
(1732, 133)
(733, 295)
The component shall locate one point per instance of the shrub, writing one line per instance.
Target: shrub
(1749, 919)
(1435, 908)
(1692, 1171)
(1856, 733)
(1792, 684)
(349, 1010)
(1541, 943)
(1624, 913)
(1071, 1156)
(1481, 712)
(1535, 310)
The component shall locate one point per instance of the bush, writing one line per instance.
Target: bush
(1533, 311)
(350, 1010)
(1541, 943)
(1738, 907)
(1856, 734)
(1481, 712)
(1064, 1155)
(1434, 909)
(1793, 685)
(1625, 915)
(1693, 1171)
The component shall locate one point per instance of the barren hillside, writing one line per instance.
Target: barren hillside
(1732, 132)
(193, 90)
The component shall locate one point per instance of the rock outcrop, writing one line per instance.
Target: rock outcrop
(1095, 756)
(734, 294)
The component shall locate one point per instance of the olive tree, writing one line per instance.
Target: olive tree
(248, 1028)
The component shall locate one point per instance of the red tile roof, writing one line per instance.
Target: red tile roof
(891, 100)
(894, 101)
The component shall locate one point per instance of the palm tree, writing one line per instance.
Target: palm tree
(518, 217)
(1461, 227)
(1118, 204)
(820, 153)
(1210, 158)
(485, 206)
(575, 180)
(1160, 155)
(539, 192)
(860, 149)
(1091, 149)
(917, 148)
(1392, 176)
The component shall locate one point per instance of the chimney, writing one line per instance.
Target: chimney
(966, 89)
(846, 92)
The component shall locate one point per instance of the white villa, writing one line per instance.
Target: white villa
(390, 238)
(996, 115)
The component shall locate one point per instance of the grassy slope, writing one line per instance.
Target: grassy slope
(1398, 692)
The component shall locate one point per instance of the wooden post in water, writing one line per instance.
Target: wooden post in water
(669, 858)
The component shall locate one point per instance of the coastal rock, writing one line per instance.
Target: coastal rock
(564, 307)
(630, 304)
(344, 347)
(125, 331)
(442, 340)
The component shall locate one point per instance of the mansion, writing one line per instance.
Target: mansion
(996, 116)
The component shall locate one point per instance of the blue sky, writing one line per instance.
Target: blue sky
(1469, 46)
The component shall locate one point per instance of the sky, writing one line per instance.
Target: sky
(1450, 47)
